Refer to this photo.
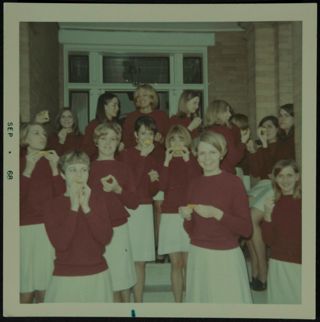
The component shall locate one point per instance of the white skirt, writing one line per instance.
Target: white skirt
(259, 194)
(118, 255)
(217, 276)
(159, 196)
(141, 233)
(172, 236)
(36, 258)
(95, 288)
(284, 282)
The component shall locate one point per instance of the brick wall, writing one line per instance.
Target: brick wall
(227, 70)
(39, 57)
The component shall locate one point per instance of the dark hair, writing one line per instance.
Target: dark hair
(273, 119)
(104, 99)
(185, 97)
(289, 109)
(240, 120)
(73, 157)
(147, 121)
(58, 126)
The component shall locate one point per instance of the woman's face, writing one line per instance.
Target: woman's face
(286, 180)
(271, 131)
(66, 120)
(193, 105)
(144, 136)
(225, 116)
(286, 121)
(111, 109)
(36, 138)
(144, 99)
(107, 144)
(77, 173)
(209, 158)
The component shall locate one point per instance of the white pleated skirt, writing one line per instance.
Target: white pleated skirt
(217, 276)
(36, 258)
(172, 236)
(284, 282)
(94, 288)
(118, 255)
(141, 233)
(259, 194)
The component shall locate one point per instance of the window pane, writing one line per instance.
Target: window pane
(79, 104)
(192, 70)
(78, 69)
(136, 70)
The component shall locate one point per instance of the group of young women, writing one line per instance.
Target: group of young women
(87, 204)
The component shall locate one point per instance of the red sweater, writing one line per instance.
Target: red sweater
(72, 142)
(184, 121)
(88, 144)
(261, 162)
(79, 239)
(226, 192)
(160, 117)
(140, 167)
(283, 233)
(173, 181)
(35, 191)
(116, 203)
(235, 148)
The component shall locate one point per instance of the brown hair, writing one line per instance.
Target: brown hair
(215, 108)
(181, 131)
(103, 128)
(151, 90)
(185, 97)
(73, 157)
(24, 131)
(58, 126)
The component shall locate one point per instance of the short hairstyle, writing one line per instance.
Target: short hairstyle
(103, 128)
(58, 126)
(273, 119)
(217, 140)
(185, 97)
(181, 131)
(147, 121)
(24, 131)
(278, 167)
(240, 120)
(73, 157)
(103, 100)
(214, 110)
(151, 90)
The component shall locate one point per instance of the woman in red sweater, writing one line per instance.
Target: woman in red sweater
(108, 109)
(115, 180)
(281, 230)
(216, 215)
(67, 137)
(145, 167)
(79, 227)
(187, 112)
(39, 183)
(217, 120)
(179, 168)
(146, 102)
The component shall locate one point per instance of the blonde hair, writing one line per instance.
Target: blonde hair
(73, 157)
(181, 131)
(278, 167)
(147, 88)
(217, 140)
(24, 131)
(215, 109)
(103, 128)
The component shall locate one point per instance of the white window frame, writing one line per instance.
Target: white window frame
(96, 46)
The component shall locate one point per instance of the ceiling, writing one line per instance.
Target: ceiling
(154, 26)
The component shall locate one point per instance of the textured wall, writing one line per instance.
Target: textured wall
(39, 58)
(227, 70)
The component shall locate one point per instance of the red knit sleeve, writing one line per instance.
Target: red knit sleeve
(60, 224)
(164, 178)
(99, 221)
(256, 162)
(59, 186)
(188, 224)
(267, 232)
(238, 219)
(88, 145)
